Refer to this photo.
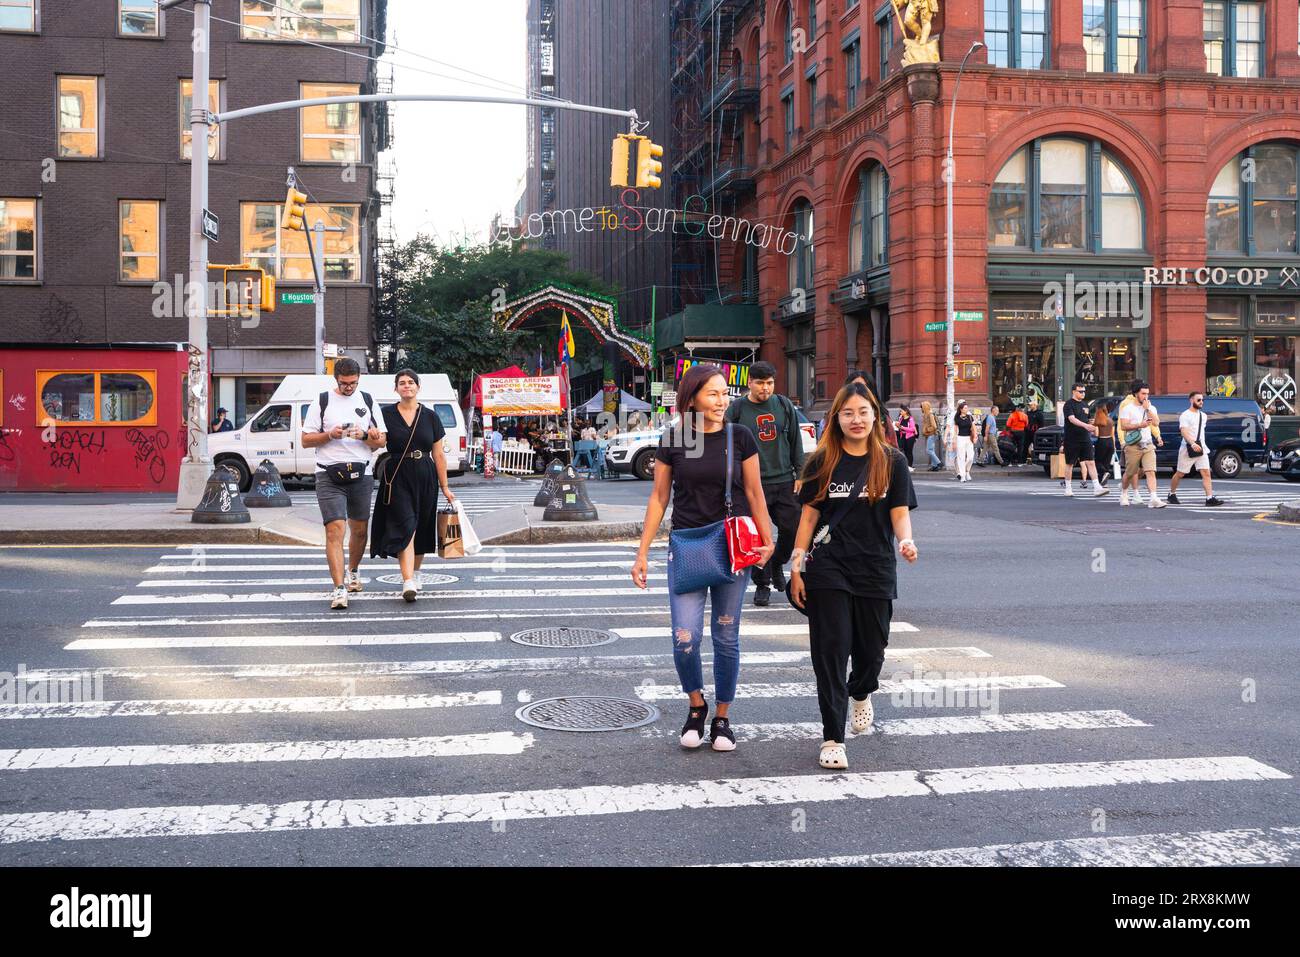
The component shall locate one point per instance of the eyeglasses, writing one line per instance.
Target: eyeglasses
(348, 385)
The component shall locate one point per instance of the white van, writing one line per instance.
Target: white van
(275, 432)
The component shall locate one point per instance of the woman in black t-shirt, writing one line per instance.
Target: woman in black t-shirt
(691, 462)
(963, 438)
(847, 583)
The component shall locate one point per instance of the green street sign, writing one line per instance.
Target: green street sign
(936, 326)
(296, 298)
(969, 316)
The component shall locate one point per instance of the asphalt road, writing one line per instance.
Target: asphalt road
(1083, 682)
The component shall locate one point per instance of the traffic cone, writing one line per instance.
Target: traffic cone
(547, 491)
(570, 502)
(221, 503)
(268, 488)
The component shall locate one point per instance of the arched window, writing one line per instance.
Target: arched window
(802, 263)
(869, 226)
(787, 31)
(1252, 203)
(1064, 194)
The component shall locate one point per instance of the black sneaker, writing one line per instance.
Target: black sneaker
(778, 578)
(693, 729)
(763, 596)
(1213, 501)
(721, 735)
(1172, 499)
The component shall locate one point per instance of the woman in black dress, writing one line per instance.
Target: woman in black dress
(406, 506)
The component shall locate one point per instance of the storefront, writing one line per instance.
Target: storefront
(1250, 346)
(91, 419)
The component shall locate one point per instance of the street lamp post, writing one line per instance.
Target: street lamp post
(950, 367)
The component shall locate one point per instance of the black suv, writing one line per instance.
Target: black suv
(1234, 431)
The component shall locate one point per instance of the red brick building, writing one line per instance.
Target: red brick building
(1095, 140)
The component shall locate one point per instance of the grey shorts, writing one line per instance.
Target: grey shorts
(339, 501)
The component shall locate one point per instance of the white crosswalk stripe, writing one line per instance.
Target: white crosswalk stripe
(1237, 500)
(433, 669)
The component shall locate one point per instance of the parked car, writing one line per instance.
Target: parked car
(1284, 460)
(1234, 431)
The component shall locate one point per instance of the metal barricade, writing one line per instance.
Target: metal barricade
(516, 458)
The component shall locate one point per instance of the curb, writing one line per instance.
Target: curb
(1289, 512)
(554, 533)
(193, 535)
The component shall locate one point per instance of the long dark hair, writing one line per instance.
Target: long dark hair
(821, 465)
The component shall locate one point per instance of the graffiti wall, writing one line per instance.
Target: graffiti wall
(91, 420)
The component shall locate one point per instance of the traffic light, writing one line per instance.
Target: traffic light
(648, 166)
(268, 293)
(295, 209)
(619, 159)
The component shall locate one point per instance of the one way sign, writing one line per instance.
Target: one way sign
(211, 225)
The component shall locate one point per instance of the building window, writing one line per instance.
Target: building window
(326, 21)
(1114, 35)
(79, 117)
(1064, 194)
(787, 103)
(1233, 32)
(139, 225)
(331, 133)
(885, 32)
(17, 239)
(1015, 33)
(788, 33)
(139, 18)
(812, 100)
(78, 397)
(187, 104)
(20, 16)
(283, 252)
(869, 225)
(800, 363)
(852, 73)
(1250, 347)
(802, 261)
(812, 20)
(1260, 183)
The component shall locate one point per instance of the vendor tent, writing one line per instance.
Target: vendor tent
(512, 372)
(626, 401)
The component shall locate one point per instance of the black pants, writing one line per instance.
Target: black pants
(785, 510)
(1022, 445)
(906, 445)
(843, 626)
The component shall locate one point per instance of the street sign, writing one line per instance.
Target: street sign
(656, 389)
(296, 298)
(936, 326)
(668, 399)
(968, 316)
(211, 225)
(331, 350)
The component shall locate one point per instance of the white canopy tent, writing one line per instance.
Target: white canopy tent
(627, 402)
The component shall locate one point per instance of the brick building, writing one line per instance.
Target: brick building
(95, 185)
(1095, 141)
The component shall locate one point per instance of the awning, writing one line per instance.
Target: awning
(740, 324)
(626, 401)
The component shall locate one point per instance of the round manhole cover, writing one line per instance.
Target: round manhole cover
(426, 578)
(587, 713)
(563, 637)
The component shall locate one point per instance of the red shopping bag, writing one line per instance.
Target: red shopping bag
(743, 543)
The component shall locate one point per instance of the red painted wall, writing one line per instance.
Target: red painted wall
(89, 457)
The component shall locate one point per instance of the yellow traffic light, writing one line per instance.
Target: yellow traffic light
(648, 166)
(268, 293)
(619, 159)
(295, 208)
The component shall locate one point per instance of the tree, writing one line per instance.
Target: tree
(438, 302)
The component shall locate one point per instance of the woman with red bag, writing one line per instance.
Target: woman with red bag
(692, 464)
(856, 495)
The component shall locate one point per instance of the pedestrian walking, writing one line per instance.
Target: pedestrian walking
(1079, 431)
(692, 463)
(1104, 450)
(406, 508)
(772, 420)
(989, 437)
(1139, 431)
(1018, 426)
(342, 428)
(907, 431)
(1193, 453)
(961, 436)
(857, 495)
(930, 430)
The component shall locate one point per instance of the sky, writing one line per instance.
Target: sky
(457, 164)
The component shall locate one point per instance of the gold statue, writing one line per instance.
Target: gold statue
(918, 47)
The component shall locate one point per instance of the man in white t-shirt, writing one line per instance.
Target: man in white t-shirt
(344, 437)
(1139, 421)
(1193, 453)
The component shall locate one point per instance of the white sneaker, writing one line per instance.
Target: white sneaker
(863, 715)
(409, 590)
(339, 598)
(1123, 496)
(419, 583)
(352, 581)
(1069, 492)
(1101, 490)
(1156, 503)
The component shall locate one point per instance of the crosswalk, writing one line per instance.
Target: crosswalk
(1243, 498)
(479, 498)
(390, 716)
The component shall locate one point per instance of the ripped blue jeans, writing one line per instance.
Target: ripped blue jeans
(687, 613)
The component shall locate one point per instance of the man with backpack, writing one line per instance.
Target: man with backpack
(342, 427)
(775, 424)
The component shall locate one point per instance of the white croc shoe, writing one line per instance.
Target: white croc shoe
(863, 715)
(833, 757)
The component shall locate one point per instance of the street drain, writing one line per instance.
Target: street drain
(426, 578)
(563, 637)
(587, 713)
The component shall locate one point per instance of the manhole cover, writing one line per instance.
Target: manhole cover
(587, 713)
(426, 578)
(563, 637)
